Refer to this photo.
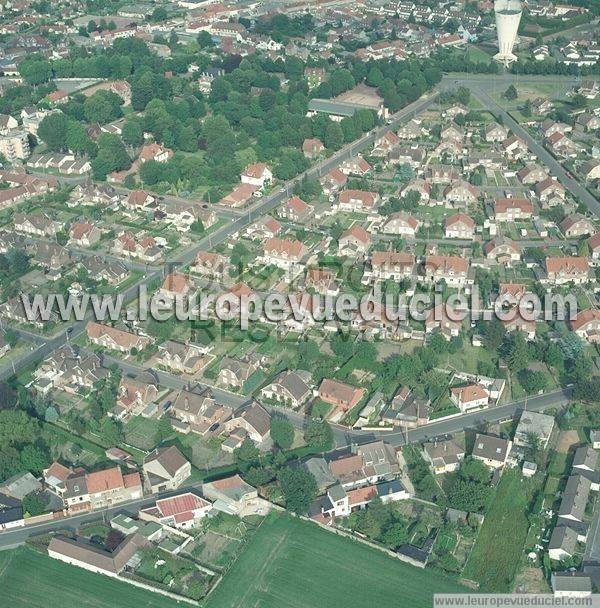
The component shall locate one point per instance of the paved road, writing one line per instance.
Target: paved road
(556, 169)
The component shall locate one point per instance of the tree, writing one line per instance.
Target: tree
(282, 432)
(159, 14)
(247, 454)
(111, 431)
(533, 381)
(33, 459)
(474, 470)
(77, 140)
(334, 136)
(518, 355)
(33, 504)
(102, 107)
(164, 429)
(469, 496)
(204, 39)
(511, 93)
(53, 131)
(396, 535)
(299, 489)
(133, 133)
(318, 434)
(17, 428)
(35, 70)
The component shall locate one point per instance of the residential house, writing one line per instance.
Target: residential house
(197, 408)
(445, 319)
(511, 209)
(251, 421)
(550, 189)
(461, 193)
(296, 210)
(84, 234)
(36, 224)
(453, 270)
(79, 552)
(459, 226)
(182, 511)
(234, 496)
(333, 181)
(100, 489)
(587, 325)
(532, 174)
(561, 270)
(182, 358)
(576, 225)
(402, 224)
(406, 409)
(138, 200)
(133, 397)
(257, 174)
(492, 451)
(354, 242)
(70, 369)
(175, 285)
(394, 265)
(470, 397)
(533, 424)
(563, 543)
(240, 195)
(574, 498)
(116, 339)
(502, 250)
(211, 265)
(358, 201)
(322, 280)
(264, 228)
(312, 148)
(422, 187)
(356, 166)
(286, 254)
(443, 456)
(515, 148)
(100, 269)
(166, 469)
(156, 152)
(412, 130)
(140, 246)
(495, 132)
(234, 372)
(291, 388)
(341, 395)
(11, 512)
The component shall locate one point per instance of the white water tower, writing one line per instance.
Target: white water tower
(508, 16)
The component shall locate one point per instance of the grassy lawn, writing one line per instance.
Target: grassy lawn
(499, 546)
(293, 563)
(29, 579)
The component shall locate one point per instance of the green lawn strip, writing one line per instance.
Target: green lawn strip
(29, 579)
(499, 546)
(293, 563)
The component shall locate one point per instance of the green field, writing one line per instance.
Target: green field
(295, 564)
(31, 580)
(499, 547)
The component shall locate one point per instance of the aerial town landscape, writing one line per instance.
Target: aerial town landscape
(415, 185)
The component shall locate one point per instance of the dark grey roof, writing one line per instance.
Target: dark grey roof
(10, 509)
(575, 497)
(585, 457)
(328, 106)
(563, 538)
